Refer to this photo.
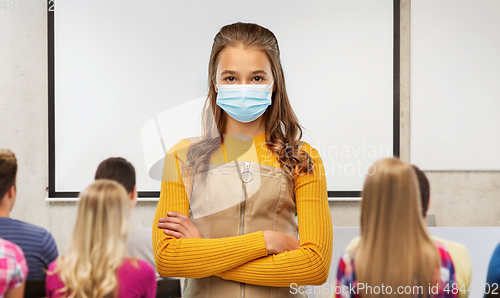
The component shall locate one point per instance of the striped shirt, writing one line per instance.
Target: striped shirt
(37, 244)
(13, 268)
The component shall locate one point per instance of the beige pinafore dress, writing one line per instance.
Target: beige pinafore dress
(237, 198)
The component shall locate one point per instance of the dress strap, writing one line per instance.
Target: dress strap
(194, 139)
(300, 145)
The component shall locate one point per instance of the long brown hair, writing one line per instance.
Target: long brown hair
(395, 247)
(282, 129)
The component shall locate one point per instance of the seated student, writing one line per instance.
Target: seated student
(37, 243)
(492, 287)
(458, 253)
(97, 264)
(139, 243)
(13, 270)
(395, 250)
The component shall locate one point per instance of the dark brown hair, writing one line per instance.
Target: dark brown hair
(8, 171)
(425, 189)
(118, 169)
(282, 129)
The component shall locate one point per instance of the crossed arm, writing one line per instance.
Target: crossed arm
(245, 258)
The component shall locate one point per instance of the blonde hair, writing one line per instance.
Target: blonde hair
(98, 244)
(395, 247)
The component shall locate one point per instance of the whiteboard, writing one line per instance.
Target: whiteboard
(128, 76)
(455, 90)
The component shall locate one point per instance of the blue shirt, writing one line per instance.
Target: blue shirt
(37, 244)
(494, 271)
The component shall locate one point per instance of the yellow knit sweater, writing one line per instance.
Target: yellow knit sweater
(244, 258)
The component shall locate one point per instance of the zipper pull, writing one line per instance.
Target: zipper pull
(246, 171)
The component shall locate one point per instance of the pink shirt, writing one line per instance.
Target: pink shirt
(132, 281)
(13, 267)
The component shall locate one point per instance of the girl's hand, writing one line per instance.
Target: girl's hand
(277, 242)
(178, 225)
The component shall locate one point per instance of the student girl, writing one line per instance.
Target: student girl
(395, 256)
(230, 199)
(96, 265)
(13, 270)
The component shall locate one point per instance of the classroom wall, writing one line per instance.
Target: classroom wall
(458, 198)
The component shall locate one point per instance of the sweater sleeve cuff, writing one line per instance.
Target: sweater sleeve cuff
(260, 243)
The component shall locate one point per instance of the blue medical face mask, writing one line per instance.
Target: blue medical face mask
(244, 103)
